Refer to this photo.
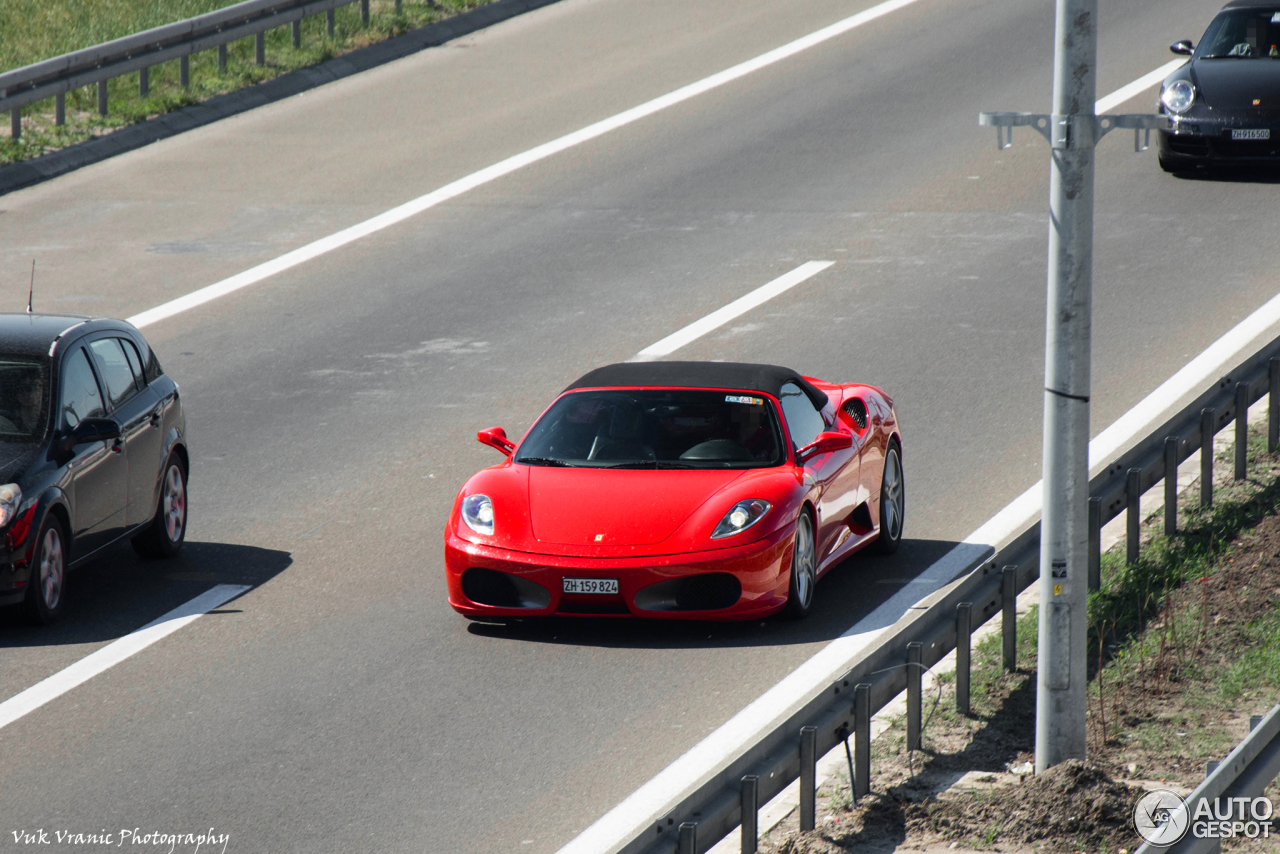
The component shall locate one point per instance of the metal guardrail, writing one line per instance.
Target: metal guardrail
(713, 809)
(53, 78)
(1245, 773)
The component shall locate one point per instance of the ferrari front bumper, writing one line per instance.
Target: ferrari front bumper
(720, 584)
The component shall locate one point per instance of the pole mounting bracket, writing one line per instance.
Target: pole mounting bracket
(1057, 130)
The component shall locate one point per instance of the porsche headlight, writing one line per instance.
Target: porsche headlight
(741, 516)
(477, 512)
(1178, 96)
(10, 498)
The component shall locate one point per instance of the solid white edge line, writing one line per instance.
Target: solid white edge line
(652, 800)
(115, 652)
(738, 307)
(1137, 87)
(511, 164)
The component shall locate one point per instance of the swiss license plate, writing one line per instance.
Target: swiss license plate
(1251, 133)
(591, 585)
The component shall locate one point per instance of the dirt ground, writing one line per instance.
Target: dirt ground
(1164, 710)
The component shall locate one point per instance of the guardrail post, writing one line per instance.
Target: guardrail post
(808, 776)
(862, 738)
(184, 72)
(399, 6)
(915, 684)
(1009, 618)
(144, 81)
(1273, 405)
(1254, 720)
(296, 31)
(260, 48)
(1171, 448)
(329, 21)
(1207, 423)
(60, 109)
(15, 124)
(1095, 543)
(1133, 500)
(102, 97)
(964, 645)
(1242, 430)
(750, 813)
(222, 59)
(1210, 766)
(364, 12)
(688, 841)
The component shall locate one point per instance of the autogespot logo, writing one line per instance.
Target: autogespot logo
(1161, 817)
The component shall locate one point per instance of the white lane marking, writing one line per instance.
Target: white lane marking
(1138, 86)
(738, 307)
(658, 796)
(115, 652)
(511, 164)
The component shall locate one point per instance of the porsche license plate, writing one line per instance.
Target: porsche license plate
(1251, 133)
(591, 585)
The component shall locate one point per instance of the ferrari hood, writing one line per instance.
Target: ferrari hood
(617, 507)
(1234, 84)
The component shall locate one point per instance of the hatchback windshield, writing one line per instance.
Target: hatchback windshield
(1242, 34)
(656, 428)
(23, 405)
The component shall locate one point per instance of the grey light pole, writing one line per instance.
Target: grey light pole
(1064, 551)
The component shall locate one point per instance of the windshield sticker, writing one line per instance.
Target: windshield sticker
(735, 398)
(1275, 19)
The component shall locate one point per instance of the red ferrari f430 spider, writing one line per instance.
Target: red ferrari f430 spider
(694, 490)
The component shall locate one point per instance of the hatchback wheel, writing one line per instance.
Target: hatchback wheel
(168, 529)
(46, 588)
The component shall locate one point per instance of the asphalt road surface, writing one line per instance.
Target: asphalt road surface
(340, 705)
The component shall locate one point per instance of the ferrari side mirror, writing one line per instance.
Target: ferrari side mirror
(496, 437)
(824, 444)
(1183, 48)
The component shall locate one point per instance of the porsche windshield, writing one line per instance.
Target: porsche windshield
(1242, 34)
(656, 428)
(22, 399)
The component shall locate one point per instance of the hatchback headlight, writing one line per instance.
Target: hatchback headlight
(477, 512)
(741, 516)
(1178, 96)
(10, 498)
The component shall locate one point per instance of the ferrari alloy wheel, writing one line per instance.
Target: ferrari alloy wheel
(168, 529)
(892, 503)
(45, 589)
(804, 569)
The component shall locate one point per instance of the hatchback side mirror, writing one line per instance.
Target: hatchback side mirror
(1183, 48)
(496, 437)
(92, 430)
(824, 444)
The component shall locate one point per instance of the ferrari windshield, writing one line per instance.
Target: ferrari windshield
(656, 428)
(22, 399)
(1242, 34)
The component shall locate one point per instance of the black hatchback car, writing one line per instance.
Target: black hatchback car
(93, 449)
(1224, 105)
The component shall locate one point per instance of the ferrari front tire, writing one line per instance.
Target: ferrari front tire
(893, 503)
(804, 569)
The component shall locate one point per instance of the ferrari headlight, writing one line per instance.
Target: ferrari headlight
(10, 498)
(741, 516)
(477, 512)
(1178, 96)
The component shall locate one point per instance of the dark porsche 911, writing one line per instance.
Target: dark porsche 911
(92, 450)
(1224, 105)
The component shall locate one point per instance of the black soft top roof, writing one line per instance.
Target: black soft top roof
(737, 376)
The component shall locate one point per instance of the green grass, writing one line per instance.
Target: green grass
(33, 30)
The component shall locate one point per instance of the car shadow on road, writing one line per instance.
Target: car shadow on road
(847, 594)
(1243, 174)
(118, 592)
